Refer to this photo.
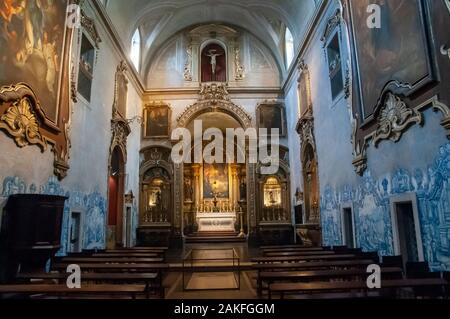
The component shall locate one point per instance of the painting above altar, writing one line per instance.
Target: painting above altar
(215, 181)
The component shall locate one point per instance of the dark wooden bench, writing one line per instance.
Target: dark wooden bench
(349, 286)
(271, 277)
(314, 265)
(288, 259)
(63, 291)
(152, 281)
(115, 260)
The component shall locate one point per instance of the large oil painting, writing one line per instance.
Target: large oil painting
(271, 116)
(215, 181)
(157, 119)
(32, 34)
(395, 53)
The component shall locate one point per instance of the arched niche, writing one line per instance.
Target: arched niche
(213, 62)
(311, 184)
(156, 205)
(274, 197)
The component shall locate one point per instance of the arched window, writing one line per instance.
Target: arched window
(135, 53)
(289, 47)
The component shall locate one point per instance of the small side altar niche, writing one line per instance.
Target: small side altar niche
(216, 216)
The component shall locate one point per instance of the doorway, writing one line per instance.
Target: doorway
(128, 227)
(311, 185)
(75, 244)
(406, 229)
(348, 233)
(116, 185)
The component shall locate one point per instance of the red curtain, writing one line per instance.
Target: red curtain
(113, 192)
(221, 66)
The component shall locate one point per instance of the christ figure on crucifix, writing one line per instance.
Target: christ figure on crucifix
(213, 55)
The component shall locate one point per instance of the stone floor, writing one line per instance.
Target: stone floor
(219, 285)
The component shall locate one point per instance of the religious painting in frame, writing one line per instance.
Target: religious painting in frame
(32, 46)
(157, 118)
(270, 115)
(215, 181)
(394, 57)
(35, 47)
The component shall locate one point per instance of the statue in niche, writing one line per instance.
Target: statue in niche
(214, 64)
(213, 55)
(243, 191)
(188, 190)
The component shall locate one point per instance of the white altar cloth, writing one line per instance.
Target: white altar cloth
(216, 222)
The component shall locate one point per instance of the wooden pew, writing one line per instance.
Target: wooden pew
(127, 255)
(323, 275)
(269, 250)
(291, 259)
(289, 246)
(150, 267)
(299, 253)
(349, 286)
(63, 291)
(115, 260)
(314, 265)
(149, 279)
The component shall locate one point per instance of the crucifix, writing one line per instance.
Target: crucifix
(213, 55)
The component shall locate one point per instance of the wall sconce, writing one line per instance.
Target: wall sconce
(136, 118)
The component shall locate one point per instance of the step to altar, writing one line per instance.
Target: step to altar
(215, 237)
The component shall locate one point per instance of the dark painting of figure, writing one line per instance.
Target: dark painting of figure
(394, 52)
(215, 181)
(157, 122)
(271, 117)
(31, 47)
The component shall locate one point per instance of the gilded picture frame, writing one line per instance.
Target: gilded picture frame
(157, 120)
(42, 51)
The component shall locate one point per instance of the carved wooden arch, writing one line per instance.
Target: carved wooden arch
(156, 161)
(120, 130)
(214, 97)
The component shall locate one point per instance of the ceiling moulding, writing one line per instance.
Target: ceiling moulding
(194, 91)
(117, 44)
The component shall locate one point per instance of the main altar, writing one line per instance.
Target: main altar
(216, 217)
(214, 199)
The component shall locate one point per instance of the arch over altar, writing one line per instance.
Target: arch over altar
(214, 197)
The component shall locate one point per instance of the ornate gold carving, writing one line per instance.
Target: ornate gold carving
(333, 22)
(214, 92)
(214, 96)
(21, 123)
(348, 81)
(120, 131)
(188, 65)
(444, 109)
(395, 117)
(73, 85)
(89, 25)
(359, 151)
(240, 69)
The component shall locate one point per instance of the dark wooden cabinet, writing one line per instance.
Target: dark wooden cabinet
(30, 233)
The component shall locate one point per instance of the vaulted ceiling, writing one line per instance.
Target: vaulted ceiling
(158, 20)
